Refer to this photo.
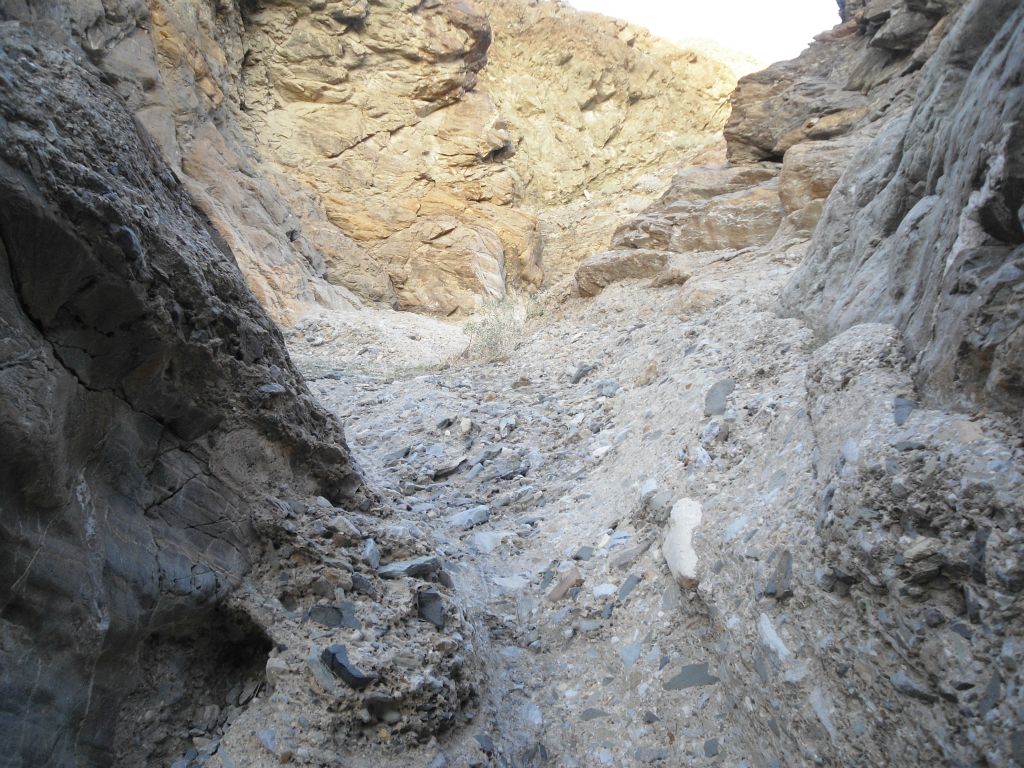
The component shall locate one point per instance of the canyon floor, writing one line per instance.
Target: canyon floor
(544, 479)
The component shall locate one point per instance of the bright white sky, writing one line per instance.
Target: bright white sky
(770, 31)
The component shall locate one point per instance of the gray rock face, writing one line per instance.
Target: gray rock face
(926, 231)
(136, 445)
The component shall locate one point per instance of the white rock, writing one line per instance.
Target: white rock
(677, 547)
(770, 638)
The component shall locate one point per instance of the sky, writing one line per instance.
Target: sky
(769, 31)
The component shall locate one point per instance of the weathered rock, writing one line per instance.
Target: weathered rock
(810, 170)
(335, 658)
(717, 398)
(847, 78)
(707, 209)
(876, 252)
(570, 580)
(600, 270)
(430, 607)
(691, 676)
(597, 110)
(470, 518)
(677, 546)
(137, 453)
(417, 567)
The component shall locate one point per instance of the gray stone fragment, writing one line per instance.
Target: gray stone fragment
(419, 566)
(607, 388)
(591, 713)
(906, 685)
(770, 639)
(583, 553)
(470, 518)
(780, 583)
(348, 615)
(325, 615)
(990, 697)
(487, 454)
(710, 747)
(395, 456)
(448, 468)
(371, 553)
(580, 373)
(627, 587)
(717, 397)
(691, 676)
(335, 658)
(430, 607)
(901, 410)
(362, 584)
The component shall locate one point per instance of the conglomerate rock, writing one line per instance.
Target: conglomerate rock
(149, 411)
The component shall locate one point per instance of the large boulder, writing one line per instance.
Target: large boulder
(810, 170)
(708, 209)
(599, 270)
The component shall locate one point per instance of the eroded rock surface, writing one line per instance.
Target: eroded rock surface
(925, 230)
(149, 412)
(669, 524)
(368, 152)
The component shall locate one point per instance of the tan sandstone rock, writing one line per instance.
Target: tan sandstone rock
(602, 269)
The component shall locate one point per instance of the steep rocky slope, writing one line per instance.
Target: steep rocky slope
(899, 645)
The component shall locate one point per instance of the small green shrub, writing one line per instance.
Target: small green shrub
(498, 327)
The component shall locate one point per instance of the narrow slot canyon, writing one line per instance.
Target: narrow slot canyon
(465, 384)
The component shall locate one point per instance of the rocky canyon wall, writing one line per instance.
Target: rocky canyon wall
(150, 415)
(925, 229)
(352, 152)
(867, 606)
